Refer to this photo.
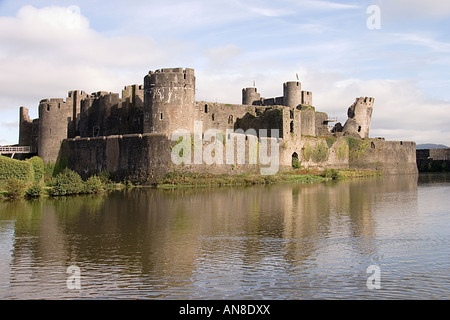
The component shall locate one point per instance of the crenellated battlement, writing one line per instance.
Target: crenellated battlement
(170, 77)
(56, 105)
(169, 97)
(173, 70)
(293, 96)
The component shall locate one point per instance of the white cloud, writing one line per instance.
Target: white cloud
(326, 5)
(401, 110)
(47, 52)
(419, 40)
(223, 55)
(414, 9)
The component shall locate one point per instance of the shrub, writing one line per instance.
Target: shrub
(15, 188)
(38, 168)
(60, 166)
(296, 164)
(331, 174)
(11, 168)
(35, 191)
(104, 176)
(66, 183)
(49, 168)
(93, 185)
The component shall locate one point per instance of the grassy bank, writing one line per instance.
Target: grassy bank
(39, 181)
(182, 180)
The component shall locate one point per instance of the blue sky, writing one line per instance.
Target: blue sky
(48, 48)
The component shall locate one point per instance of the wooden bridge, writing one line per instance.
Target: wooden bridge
(17, 149)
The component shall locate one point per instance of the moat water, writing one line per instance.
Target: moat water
(284, 241)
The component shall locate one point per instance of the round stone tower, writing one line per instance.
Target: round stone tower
(55, 116)
(249, 96)
(292, 93)
(169, 100)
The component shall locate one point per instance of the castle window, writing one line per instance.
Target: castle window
(230, 119)
(95, 131)
(160, 116)
(48, 108)
(295, 161)
(206, 108)
(359, 129)
(292, 126)
(212, 117)
(291, 114)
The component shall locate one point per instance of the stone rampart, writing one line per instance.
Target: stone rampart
(140, 158)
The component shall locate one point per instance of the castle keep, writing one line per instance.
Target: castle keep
(130, 135)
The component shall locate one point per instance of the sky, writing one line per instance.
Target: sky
(397, 51)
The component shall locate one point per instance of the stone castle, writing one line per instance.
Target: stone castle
(130, 136)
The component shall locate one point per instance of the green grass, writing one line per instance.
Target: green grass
(173, 180)
(354, 173)
(182, 180)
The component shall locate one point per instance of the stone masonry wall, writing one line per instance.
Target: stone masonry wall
(389, 157)
(141, 158)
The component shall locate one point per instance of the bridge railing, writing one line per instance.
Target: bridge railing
(19, 149)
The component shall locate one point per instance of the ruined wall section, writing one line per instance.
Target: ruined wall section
(221, 116)
(55, 116)
(359, 118)
(25, 127)
(104, 113)
(225, 117)
(169, 100)
(308, 121)
(270, 118)
(388, 157)
(322, 128)
(307, 98)
(76, 96)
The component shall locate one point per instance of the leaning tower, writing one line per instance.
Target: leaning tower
(169, 100)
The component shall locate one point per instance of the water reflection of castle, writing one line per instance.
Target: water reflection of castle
(180, 238)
